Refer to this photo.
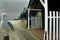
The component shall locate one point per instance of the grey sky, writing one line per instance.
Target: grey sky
(13, 8)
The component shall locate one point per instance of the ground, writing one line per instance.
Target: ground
(20, 32)
(38, 32)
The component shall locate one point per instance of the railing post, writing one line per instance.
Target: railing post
(50, 12)
(53, 25)
(57, 25)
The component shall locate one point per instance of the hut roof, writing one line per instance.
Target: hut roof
(36, 4)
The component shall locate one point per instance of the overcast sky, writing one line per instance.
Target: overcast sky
(13, 8)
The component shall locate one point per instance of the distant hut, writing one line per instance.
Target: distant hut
(24, 17)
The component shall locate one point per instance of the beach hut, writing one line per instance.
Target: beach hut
(36, 15)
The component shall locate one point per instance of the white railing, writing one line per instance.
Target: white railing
(53, 20)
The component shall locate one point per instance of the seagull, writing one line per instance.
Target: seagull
(6, 25)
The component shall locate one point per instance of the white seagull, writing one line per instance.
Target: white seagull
(5, 25)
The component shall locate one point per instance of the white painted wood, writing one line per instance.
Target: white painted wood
(28, 19)
(54, 17)
(44, 36)
(36, 9)
(28, 15)
(50, 12)
(46, 18)
(42, 3)
(45, 5)
(54, 25)
(54, 28)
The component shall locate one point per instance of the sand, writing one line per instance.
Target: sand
(20, 32)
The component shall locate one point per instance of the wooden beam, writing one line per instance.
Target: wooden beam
(42, 3)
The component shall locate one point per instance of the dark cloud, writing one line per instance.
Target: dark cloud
(13, 7)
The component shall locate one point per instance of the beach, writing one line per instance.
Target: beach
(20, 33)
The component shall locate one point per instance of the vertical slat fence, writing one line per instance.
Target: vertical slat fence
(53, 25)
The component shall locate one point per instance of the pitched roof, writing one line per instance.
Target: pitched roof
(31, 2)
(35, 4)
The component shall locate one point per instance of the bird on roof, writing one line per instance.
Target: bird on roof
(5, 24)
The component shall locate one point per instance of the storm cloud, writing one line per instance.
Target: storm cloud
(13, 8)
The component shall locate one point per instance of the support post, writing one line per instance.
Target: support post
(46, 18)
(28, 18)
(45, 5)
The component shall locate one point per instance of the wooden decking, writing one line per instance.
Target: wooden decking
(38, 32)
